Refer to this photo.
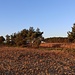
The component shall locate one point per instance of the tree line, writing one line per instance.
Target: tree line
(69, 39)
(25, 38)
(56, 40)
(32, 38)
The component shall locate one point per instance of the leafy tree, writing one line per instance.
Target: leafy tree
(71, 35)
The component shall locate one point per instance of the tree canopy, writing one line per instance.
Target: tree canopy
(25, 37)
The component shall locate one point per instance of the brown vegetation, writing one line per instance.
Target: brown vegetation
(42, 61)
(23, 61)
(58, 45)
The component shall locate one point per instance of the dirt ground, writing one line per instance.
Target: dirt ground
(27, 61)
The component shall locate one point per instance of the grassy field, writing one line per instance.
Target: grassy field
(42, 61)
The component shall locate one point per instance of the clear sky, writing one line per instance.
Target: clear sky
(53, 17)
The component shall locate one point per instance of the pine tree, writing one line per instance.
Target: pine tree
(71, 35)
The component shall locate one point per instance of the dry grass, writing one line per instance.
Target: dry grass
(61, 45)
(24, 61)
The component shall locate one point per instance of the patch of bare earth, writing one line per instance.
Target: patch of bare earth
(23, 61)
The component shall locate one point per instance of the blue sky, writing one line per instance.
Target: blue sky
(53, 17)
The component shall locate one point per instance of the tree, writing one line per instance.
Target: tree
(20, 39)
(36, 43)
(37, 38)
(12, 39)
(71, 35)
(37, 30)
(2, 39)
(7, 39)
(25, 38)
(31, 29)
